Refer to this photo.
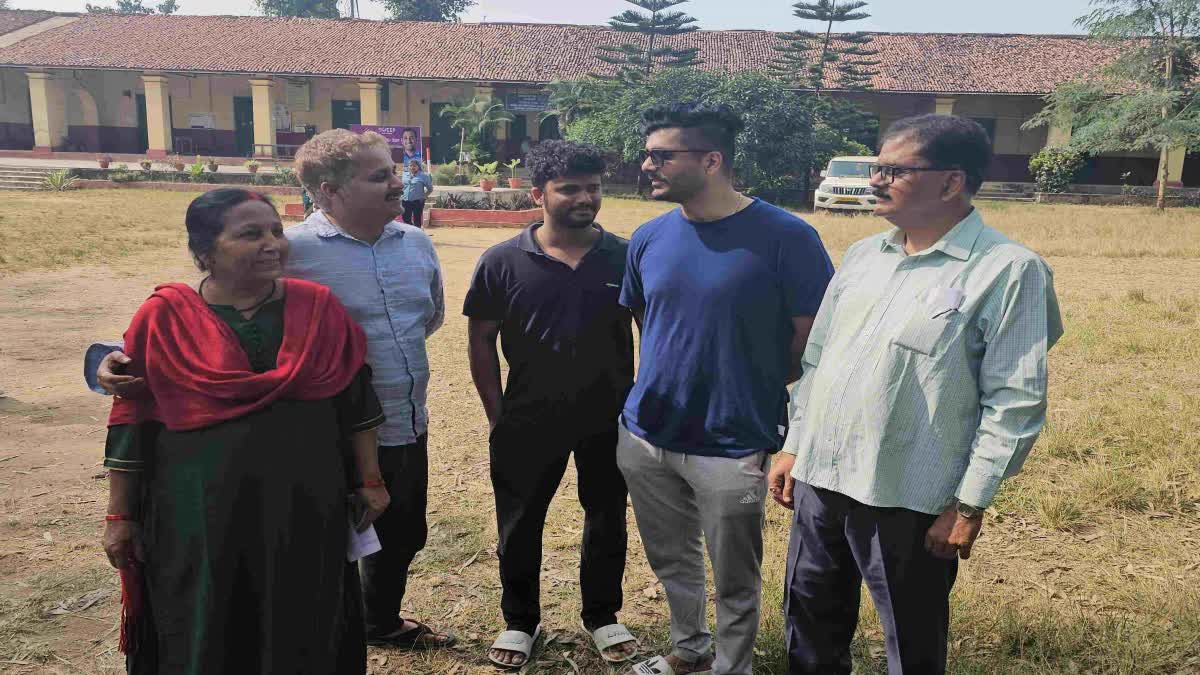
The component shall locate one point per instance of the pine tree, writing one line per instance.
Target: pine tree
(806, 58)
(134, 7)
(638, 61)
(320, 9)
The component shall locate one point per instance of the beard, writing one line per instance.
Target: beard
(677, 191)
(575, 218)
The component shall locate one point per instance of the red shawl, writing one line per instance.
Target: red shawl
(198, 375)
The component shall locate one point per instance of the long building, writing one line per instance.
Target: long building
(243, 86)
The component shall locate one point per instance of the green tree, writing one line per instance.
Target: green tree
(135, 7)
(319, 9)
(426, 10)
(806, 58)
(1145, 98)
(774, 149)
(638, 61)
(477, 119)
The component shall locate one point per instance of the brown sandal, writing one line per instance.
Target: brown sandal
(415, 639)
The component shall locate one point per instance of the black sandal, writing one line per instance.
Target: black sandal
(411, 639)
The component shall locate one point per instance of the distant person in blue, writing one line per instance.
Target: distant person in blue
(724, 289)
(417, 186)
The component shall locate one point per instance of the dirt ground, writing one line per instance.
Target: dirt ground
(1121, 581)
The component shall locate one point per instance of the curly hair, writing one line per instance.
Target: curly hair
(714, 126)
(329, 157)
(555, 159)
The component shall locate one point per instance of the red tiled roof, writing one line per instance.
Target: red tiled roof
(534, 53)
(19, 18)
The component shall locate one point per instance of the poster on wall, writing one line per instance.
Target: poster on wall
(405, 141)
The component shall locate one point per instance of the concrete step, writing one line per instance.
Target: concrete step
(1004, 198)
(21, 173)
(20, 188)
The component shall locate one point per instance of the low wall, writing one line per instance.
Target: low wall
(279, 190)
(482, 218)
(1114, 200)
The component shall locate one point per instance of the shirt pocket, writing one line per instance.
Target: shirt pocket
(930, 330)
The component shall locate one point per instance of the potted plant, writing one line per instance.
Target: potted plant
(487, 175)
(212, 164)
(251, 166)
(104, 160)
(513, 181)
(145, 163)
(177, 163)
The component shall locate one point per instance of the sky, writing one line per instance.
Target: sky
(937, 16)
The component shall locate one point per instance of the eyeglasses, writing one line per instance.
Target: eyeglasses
(660, 156)
(889, 172)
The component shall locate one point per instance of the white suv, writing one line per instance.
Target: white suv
(846, 185)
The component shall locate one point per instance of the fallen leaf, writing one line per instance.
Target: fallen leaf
(72, 605)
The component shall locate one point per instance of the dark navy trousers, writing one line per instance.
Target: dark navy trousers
(837, 544)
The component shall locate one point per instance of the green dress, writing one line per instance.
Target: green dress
(245, 525)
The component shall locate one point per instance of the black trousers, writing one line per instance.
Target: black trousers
(838, 543)
(413, 211)
(402, 531)
(527, 465)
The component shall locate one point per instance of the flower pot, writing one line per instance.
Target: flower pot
(178, 166)
(252, 169)
(213, 167)
(146, 165)
(487, 185)
(514, 183)
(104, 164)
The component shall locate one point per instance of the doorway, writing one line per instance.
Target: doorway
(143, 126)
(243, 125)
(346, 114)
(548, 130)
(442, 136)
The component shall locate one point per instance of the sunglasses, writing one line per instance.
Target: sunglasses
(661, 156)
(889, 172)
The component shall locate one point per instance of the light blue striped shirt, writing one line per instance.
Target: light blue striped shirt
(393, 289)
(925, 374)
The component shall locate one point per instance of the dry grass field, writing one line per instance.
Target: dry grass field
(1089, 561)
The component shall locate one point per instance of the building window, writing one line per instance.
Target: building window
(989, 125)
(385, 97)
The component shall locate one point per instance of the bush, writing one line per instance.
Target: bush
(1053, 169)
(60, 180)
(445, 174)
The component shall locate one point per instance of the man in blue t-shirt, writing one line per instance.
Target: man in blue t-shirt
(724, 290)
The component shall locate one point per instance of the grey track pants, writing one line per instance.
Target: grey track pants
(678, 499)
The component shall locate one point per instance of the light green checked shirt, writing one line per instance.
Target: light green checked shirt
(925, 375)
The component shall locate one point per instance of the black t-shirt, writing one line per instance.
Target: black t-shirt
(567, 339)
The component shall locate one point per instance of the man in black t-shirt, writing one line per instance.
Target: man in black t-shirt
(551, 295)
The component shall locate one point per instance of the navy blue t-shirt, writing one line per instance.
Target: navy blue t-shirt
(719, 298)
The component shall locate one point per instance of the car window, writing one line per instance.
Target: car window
(849, 169)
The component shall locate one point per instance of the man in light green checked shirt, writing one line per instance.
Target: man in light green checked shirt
(924, 387)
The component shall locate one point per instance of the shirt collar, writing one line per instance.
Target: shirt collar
(529, 243)
(325, 228)
(957, 243)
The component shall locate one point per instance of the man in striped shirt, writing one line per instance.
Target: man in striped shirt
(924, 387)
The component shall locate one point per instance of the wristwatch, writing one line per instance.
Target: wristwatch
(967, 511)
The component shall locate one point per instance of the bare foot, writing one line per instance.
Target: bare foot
(506, 657)
(622, 651)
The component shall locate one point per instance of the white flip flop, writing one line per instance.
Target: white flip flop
(611, 636)
(660, 666)
(515, 641)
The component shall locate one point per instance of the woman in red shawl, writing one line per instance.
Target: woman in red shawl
(228, 511)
